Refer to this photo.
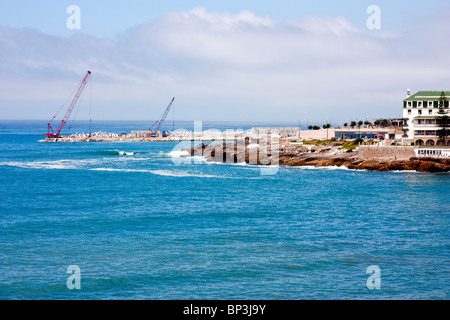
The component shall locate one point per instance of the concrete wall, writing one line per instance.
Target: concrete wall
(320, 134)
(388, 153)
(292, 131)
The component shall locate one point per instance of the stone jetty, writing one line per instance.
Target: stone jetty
(331, 154)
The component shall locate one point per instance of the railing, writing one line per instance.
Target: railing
(425, 124)
(425, 136)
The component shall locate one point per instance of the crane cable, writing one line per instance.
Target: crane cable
(77, 109)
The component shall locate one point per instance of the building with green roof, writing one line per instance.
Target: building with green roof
(421, 110)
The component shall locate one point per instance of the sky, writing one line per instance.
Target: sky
(248, 60)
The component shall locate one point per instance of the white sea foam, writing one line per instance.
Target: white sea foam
(57, 164)
(330, 168)
(179, 153)
(124, 153)
(124, 159)
(39, 165)
(167, 173)
(335, 168)
(119, 170)
(180, 173)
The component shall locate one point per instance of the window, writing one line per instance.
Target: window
(419, 104)
(430, 103)
(409, 111)
(409, 103)
(430, 112)
(420, 112)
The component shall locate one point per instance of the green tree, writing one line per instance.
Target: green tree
(327, 126)
(353, 124)
(384, 122)
(345, 124)
(366, 122)
(442, 119)
(359, 127)
(310, 127)
(377, 122)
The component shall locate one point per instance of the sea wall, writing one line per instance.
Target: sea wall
(390, 152)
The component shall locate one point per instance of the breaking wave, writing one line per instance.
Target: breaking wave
(329, 168)
(179, 153)
(114, 152)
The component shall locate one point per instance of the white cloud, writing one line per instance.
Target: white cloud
(228, 66)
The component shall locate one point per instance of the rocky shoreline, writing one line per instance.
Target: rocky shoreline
(323, 156)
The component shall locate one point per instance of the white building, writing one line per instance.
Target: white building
(420, 110)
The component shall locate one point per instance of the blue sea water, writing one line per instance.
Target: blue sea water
(140, 226)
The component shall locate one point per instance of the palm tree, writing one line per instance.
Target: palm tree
(359, 126)
(326, 126)
(442, 120)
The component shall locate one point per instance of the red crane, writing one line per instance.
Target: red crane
(51, 133)
(160, 121)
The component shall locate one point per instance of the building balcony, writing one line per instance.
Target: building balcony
(431, 125)
(425, 136)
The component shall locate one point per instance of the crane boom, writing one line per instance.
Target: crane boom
(54, 134)
(163, 117)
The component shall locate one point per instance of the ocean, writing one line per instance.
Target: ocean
(135, 223)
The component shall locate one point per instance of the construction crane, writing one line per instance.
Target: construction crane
(160, 122)
(51, 133)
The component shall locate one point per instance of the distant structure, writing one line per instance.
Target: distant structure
(420, 110)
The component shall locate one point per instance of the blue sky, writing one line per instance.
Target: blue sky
(223, 60)
(109, 18)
